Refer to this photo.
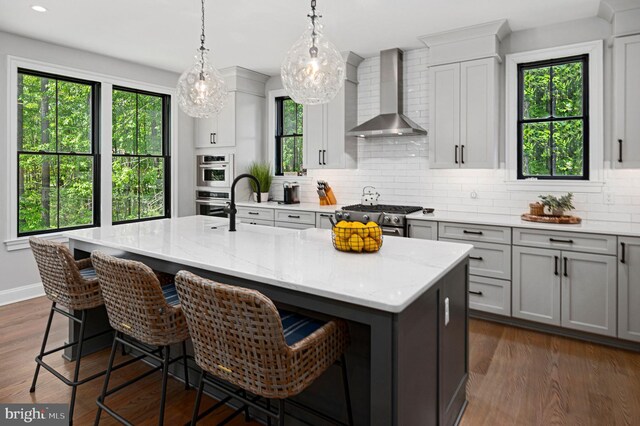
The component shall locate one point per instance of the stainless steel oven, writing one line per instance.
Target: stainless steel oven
(215, 170)
(211, 203)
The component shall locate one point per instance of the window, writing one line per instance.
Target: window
(140, 147)
(57, 139)
(288, 136)
(553, 119)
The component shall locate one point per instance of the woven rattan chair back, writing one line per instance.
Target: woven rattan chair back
(135, 303)
(61, 278)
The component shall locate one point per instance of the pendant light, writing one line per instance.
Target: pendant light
(202, 91)
(313, 70)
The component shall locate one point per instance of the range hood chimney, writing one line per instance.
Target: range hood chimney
(391, 121)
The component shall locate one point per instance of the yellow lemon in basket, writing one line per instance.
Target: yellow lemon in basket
(374, 230)
(371, 245)
(342, 244)
(356, 243)
(360, 229)
(378, 240)
(342, 229)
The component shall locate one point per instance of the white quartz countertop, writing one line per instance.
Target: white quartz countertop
(304, 261)
(305, 207)
(594, 227)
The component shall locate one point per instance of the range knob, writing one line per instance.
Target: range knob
(387, 219)
(396, 219)
(366, 217)
(338, 215)
(347, 215)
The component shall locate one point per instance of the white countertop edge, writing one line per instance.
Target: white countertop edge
(302, 207)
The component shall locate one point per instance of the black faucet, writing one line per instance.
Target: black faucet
(230, 209)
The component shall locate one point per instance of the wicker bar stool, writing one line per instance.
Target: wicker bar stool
(73, 285)
(239, 336)
(140, 307)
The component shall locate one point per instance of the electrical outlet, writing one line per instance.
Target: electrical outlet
(609, 198)
(473, 194)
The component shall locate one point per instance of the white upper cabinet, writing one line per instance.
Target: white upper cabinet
(220, 130)
(464, 115)
(626, 143)
(326, 145)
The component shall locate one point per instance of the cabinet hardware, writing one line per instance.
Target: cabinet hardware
(555, 240)
(409, 230)
(623, 247)
(462, 154)
(566, 274)
(325, 215)
(472, 232)
(476, 258)
(320, 157)
(254, 213)
(212, 138)
(456, 155)
(619, 150)
(293, 216)
(324, 162)
(555, 260)
(477, 293)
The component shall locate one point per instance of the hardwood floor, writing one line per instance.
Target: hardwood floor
(518, 377)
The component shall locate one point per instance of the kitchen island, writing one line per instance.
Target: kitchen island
(406, 305)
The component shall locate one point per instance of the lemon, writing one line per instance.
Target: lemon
(356, 243)
(374, 230)
(342, 244)
(360, 229)
(378, 240)
(371, 245)
(342, 229)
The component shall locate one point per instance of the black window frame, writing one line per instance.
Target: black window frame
(584, 59)
(95, 154)
(166, 153)
(280, 132)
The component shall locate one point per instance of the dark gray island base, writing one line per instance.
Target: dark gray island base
(407, 368)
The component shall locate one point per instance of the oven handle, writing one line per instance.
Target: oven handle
(391, 231)
(214, 166)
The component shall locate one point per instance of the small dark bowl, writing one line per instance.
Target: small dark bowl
(428, 210)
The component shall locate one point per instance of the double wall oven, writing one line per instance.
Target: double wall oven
(215, 171)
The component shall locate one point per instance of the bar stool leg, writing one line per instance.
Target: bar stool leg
(43, 347)
(196, 405)
(105, 385)
(347, 394)
(269, 409)
(76, 372)
(186, 366)
(281, 412)
(165, 377)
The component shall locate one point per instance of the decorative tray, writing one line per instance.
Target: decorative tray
(547, 218)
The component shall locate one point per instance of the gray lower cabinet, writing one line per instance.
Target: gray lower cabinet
(536, 285)
(323, 220)
(629, 288)
(490, 295)
(422, 229)
(589, 293)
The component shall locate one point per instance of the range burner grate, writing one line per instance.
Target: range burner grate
(382, 208)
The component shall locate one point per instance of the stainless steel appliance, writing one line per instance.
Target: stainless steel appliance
(215, 170)
(212, 203)
(291, 193)
(392, 219)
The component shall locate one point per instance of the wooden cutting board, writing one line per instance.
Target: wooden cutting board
(547, 218)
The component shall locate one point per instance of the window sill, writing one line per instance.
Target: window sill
(22, 243)
(554, 186)
(299, 179)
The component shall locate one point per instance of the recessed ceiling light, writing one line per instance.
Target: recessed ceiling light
(40, 9)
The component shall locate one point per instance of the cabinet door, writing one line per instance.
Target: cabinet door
(227, 123)
(589, 292)
(323, 220)
(314, 135)
(206, 132)
(478, 114)
(444, 140)
(423, 230)
(626, 144)
(536, 285)
(629, 288)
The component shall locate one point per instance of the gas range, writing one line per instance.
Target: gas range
(392, 218)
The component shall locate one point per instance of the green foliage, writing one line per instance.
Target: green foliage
(264, 173)
(292, 125)
(553, 148)
(565, 202)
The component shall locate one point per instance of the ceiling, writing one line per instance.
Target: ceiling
(256, 34)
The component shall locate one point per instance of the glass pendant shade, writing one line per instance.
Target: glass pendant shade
(202, 91)
(313, 70)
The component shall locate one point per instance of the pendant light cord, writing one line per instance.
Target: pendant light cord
(202, 48)
(313, 51)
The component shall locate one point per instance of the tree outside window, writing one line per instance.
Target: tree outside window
(553, 122)
(288, 136)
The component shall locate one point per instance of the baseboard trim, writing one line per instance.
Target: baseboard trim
(19, 294)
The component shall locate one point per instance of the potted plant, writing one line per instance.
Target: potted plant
(264, 173)
(558, 206)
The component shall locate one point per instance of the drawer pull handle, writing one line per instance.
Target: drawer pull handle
(456, 154)
(555, 259)
(293, 216)
(462, 154)
(325, 215)
(619, 150)
(566, 273)
(472, 232)
(254, 213)
(555, 240)
(476, 258)
(623, 253)
(477, 293)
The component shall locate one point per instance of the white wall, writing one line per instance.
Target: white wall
(399, 167)
(17, 268)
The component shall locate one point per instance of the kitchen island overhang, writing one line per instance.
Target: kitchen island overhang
(406, 365)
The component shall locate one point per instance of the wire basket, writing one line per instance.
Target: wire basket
(356, 237)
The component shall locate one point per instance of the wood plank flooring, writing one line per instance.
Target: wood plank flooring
(518, 377)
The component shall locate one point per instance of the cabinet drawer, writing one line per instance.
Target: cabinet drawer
(490, 295)
(255, 213)
(295, 216)
(573, 241)
(489, 234)
(293, 225)
(422, 229)
(261, 222)
(489, 260)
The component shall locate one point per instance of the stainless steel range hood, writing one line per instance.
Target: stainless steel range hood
(391, 121)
